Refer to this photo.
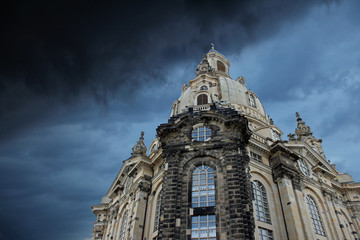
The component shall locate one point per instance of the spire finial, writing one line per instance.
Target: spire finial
(302, 129)
(212, 46)
(139, 149)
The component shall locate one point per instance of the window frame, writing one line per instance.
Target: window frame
(304, 167)
(268, 232)
(207, 133)
(124, 223)
(205, 95)
(220, 66)
(252, 100)
(256, 157)
(208, 210)
(315, 216)
(261, 202)
(157, 211)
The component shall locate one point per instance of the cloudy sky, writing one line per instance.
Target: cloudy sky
(80, 80)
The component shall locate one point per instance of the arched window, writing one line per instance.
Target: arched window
(157, 212)
(123, 225)
(203, 195)
(202, 99)
(304, 167)
(261, 202)
(252, 100)
(315, 216)
(201, 134)
(220, 66)
(203, 187)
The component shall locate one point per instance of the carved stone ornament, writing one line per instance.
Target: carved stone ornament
(145, 186)
(204, 66)
(302, 129)
(139, 149)
(291, 136)
(241, 80)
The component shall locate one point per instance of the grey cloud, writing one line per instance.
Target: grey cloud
(60, 149)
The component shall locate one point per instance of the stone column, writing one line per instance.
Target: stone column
(304, 212)
(291, 211)
(334, 222)
(140, 205)
(288, 179)
(337, 212)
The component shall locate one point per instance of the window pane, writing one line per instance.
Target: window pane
(261, 203)
(203, 192)
(201, 134)
(207, 225)
(315, 216)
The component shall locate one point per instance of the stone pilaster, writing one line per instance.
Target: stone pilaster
(141, 197)
(289, 184)
(333, 218)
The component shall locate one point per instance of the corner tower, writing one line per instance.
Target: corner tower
(206, 192)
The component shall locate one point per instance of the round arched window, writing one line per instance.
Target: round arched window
(201, 134)
(220, 66)
(304, 167)
(202, 99)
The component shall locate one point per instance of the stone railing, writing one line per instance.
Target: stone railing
(99, 223)
(251, 112)
(204, 107)
(260, 139)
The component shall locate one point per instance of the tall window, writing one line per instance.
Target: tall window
(203, 187)
(203, 195)
(220, 66)
(202, 99)
(315, 216)
(123, 226)
(203, 227)
(265, 234)
(157, 212)
(252, 100)
(261, 202)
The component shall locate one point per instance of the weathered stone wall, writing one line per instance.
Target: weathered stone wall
(226, 153)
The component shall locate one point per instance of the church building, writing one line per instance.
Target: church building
(220, 169)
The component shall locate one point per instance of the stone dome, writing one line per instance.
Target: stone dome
(214, 83)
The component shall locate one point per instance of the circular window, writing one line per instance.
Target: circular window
(304, 167)
(201, 133)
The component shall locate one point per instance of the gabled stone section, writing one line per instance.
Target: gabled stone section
(203, 67)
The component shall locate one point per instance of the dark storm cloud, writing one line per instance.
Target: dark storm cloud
(60, 149)
(54, 52)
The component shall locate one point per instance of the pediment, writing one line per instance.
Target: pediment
(317, 161)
